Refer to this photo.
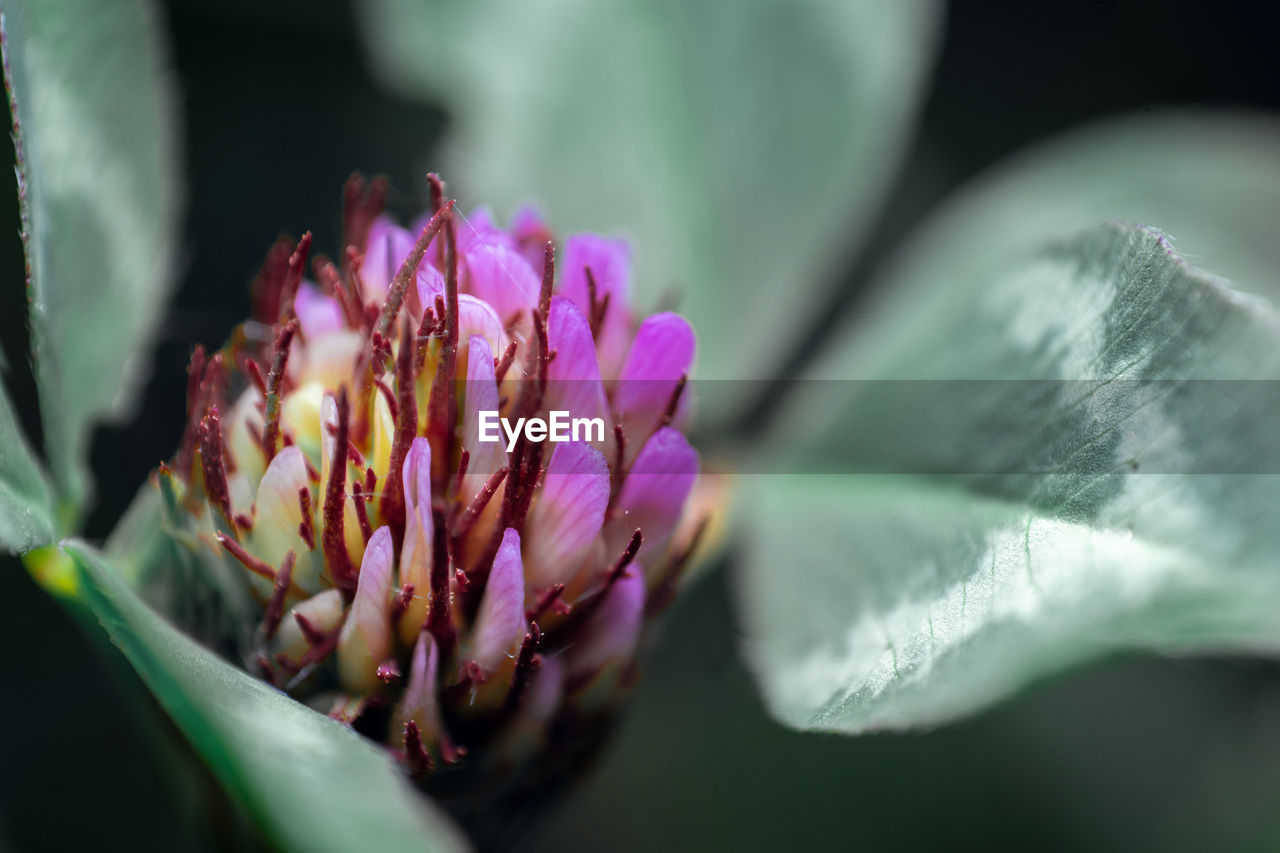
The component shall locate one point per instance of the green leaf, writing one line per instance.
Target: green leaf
(744, 146)
(1106, 478)
(96, 146)
(1210, 180)
(26, 517)
(309, 782)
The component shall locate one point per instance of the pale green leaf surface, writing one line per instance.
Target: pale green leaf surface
(1209, 180)
(1020, 526)
(97, 167)
(309, 782)
(744, 147)
(26, 516)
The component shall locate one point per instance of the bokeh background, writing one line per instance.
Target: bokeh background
(279, 107)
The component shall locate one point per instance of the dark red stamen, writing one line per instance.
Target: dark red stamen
(320, 643)
(254, 371)
(584, 607)
(275, 606)
(596, 307)
(464, 462)
(548, 599)
(624, 559)
(213, 464)
(203, 385)
(312, 473)
(265, 672)
(478, 503)
(673, 403)
(331, 281)
(435, 186)
(441, 418)
(527, 665)
(255, 434)
(259, 567)
(408, 271)
(620, 448)
(332, 536)
(388, 396)
(503, 364)
(195, 379)
(275, 378)
(664, 591)
(401, 604)
(423, 340)
(532, 390)
(380, 347)
(313, 635)
(362, 202)
(548, 277)
(268, 288)
(389, 671)
(306, 529)
(354, 454)
(406, 430)
(417, 759)
(439, 622)
(297, 263)
(618, 472)
(360, 499)
(526, 462)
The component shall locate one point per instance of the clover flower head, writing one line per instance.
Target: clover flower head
(470, 603)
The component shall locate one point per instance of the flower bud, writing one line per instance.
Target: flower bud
(463, 600)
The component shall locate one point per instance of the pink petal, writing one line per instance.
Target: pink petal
(420, 701)
(543, 699)
(531, 235)
(661, 353)
(277, 511)
(528, 225)
(322, 612)
(480, 395)
(318, 314)
(613, 630)
(416, 552)
(653, 495)
(328, 443)
(430, 285)
(574, 376)
(476, 317)
(365, 641)
(386, 250)
(567, 513)
(500, 623)
(498, 275)
(480, 229)
(610, 263)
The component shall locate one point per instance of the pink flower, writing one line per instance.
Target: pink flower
(485, 591)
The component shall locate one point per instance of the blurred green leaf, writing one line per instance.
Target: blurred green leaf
(309, 782)
(26, 518)
(1210, 180)
(1107, 478)
(744, 146)
(96, 149)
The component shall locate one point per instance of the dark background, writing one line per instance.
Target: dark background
(1134, 754)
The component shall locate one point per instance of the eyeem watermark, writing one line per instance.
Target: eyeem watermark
(559, 427)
